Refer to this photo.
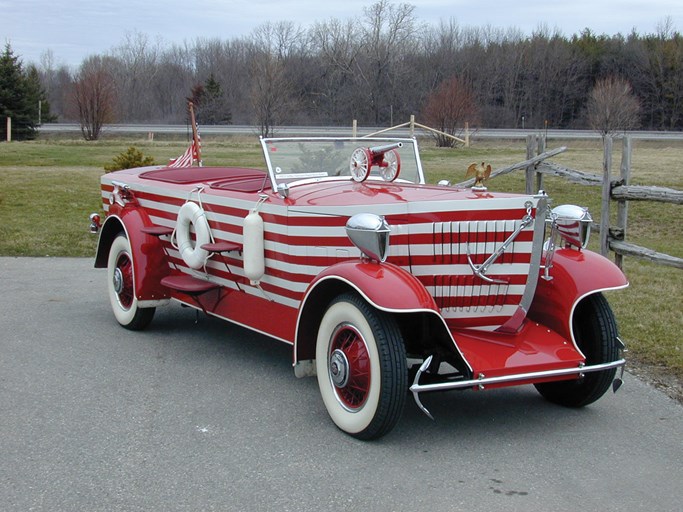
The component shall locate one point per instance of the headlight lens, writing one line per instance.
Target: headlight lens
(573, 224)
(370, 233)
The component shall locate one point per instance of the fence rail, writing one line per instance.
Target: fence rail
(622, 192)
(612, 238)
(640, 193)
(412, 125)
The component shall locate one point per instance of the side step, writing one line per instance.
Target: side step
(220, 247)
(188, 284)
(157, 230)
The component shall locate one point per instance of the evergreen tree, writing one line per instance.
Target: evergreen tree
(38, 97)
(20, 93)
(213, 106)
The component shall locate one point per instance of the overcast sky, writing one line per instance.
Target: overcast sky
(74, 29)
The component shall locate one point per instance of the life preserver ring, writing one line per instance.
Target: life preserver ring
(191, 214)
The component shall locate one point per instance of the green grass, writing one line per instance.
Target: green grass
(49, 187)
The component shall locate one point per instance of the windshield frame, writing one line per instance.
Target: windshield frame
(280, 184)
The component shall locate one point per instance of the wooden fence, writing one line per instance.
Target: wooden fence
(412, 125)
(611, 237)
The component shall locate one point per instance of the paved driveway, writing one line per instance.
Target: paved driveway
(211, 417)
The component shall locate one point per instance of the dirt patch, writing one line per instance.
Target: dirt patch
(658, 376)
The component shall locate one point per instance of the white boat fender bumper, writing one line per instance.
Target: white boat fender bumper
(254, 257)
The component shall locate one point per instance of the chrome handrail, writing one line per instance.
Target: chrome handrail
(481, 381)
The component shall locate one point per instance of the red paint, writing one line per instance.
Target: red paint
(575, 274)
(437, 234)
(353, 393)
(385, 285)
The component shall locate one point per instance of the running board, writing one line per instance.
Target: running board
(483, 381)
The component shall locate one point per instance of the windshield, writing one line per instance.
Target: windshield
(299, 160)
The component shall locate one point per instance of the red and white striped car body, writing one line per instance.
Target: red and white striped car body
(466, 289)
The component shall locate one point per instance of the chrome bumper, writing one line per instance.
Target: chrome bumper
(482, 381)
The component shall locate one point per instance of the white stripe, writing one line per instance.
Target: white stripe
(244, 287)
(465, 227)
(484, 289)
(217, 264)
(469, 313)
(451, 206)
(454, 250)
(465, 270)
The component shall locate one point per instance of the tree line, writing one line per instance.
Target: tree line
(378, 68)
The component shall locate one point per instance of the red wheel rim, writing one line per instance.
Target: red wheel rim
(123, 281)
(349, 367)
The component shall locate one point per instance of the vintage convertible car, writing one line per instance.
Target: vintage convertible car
(379, 282)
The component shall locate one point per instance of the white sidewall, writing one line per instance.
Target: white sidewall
(122, 315)
(348, 421)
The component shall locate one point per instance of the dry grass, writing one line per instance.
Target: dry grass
(48, 188)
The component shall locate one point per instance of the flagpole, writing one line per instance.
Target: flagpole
(195, 134)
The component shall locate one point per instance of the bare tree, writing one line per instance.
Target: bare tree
(383, 64)
(612, 106)
(228, 63)
(94, 96)
(388, 32)
(173, 78)
(271, 87)
(450, 106)
(664, 76)
(335, 43)
(134, 69)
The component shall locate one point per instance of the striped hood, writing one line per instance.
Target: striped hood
(451, 240)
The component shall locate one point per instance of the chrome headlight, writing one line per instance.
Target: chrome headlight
(573, 224)
(370, 233)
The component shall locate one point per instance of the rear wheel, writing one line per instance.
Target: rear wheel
(121, 288)
(362, 372)
(595, 330)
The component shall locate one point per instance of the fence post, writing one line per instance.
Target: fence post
(412, 126)
(539, 175)
(467, 135)
(354, 129)
(9, 129)
(606, 189)
(622, 204)
(531, 145)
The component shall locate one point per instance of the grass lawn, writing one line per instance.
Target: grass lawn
(49, 187)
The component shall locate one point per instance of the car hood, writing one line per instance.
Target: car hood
(330, 194)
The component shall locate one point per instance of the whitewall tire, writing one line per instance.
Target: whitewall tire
(362, 372)
(121, 287)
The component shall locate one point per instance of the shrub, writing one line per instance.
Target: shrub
(129, 159)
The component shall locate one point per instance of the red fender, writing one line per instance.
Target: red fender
(149, 259)
(384, 285)
(575, 275)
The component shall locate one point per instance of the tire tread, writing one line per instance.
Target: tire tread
(594, 311)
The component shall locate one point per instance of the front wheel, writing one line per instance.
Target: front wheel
(121, 287)
(595, 331)
(362, 370)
